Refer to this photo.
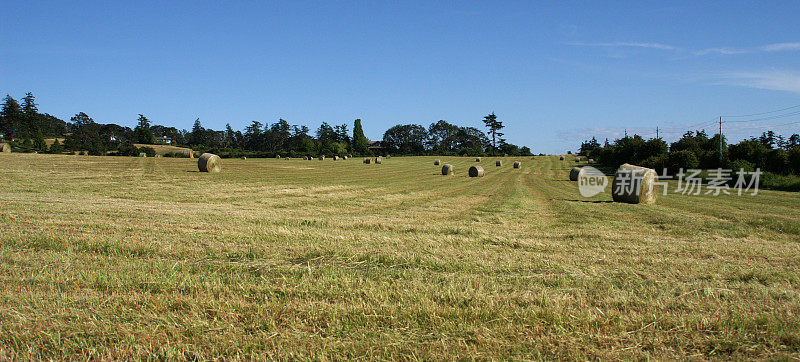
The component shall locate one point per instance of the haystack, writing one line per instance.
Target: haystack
(498, 163)
(591, 160)
(436, 162)
(367, 160)
(244, 158)
(575, 173)
(634, 185)
(209, 162)
(322, 157)
(379, 160)
(561, 158)
(517, 164)
(5, 148)
(447, 169)
(476, 171)
(277, 156)
(336, 158)
(344, 157)
(477, 159)
(142, 154)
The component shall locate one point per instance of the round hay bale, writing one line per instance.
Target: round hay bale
(336, 158)
(142, 154)
(477, 159)
(476, 171)
(498, 163)
(367, 160)
(591, 160)
(344, 157)
(5, 148)
(378, 160)
(244, 158)
(388, 156)
(634, 185)
(288, 158)
(158, 155)
(436, 162)
(561, 158)
(575, 173)
(517, 164)
(209, 162)
(447, 169)
(322, 157)
(277, 156)
(577, 159)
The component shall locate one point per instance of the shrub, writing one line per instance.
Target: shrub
(682, 160)
(148, 150)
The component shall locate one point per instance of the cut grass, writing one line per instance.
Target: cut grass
(118, 257)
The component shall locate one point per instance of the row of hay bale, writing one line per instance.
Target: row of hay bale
(377, 160)
(474, 171)
(631, 184)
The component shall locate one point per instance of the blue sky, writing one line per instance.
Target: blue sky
(554, 72)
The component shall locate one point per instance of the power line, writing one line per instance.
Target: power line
(777, 116)
(763, 113)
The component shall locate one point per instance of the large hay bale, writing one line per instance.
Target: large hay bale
(634, 185)
(436, 162)
(209, 162)
(447, 169)
(244, 158)
(5, 148)
(378, 160)
(575, 173)
(344, 157)
(505, 155)
(367, 160)
(477, 159)
(336, 158)
(476, 171)
(158, 155)
(591, 160)
(517, 164)
(498, 163)
(142, 154)
(322, 157)
(190, 153)
(561, 158)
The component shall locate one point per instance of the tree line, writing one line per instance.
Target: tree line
(778, 156)
(29, 128)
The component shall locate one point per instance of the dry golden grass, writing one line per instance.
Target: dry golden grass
(125, 257)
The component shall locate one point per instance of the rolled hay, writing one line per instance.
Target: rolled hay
(388, 156)
(288, 158)
(591, 160)
(561, 158)
(477, 159)
(476, 171)
(517, 164)
(244, 158)
(190, 153)
(322, 157)
(5, 148)
(378, 160)
(505, 155)
(634, 185)
(209, 162)
(344, 157)
(367, 160)
(142, 154)
(158, 155)
(575, 173)
(436, 162)
(277, 156)
(336, 158)
(447, 169)
(498, 163)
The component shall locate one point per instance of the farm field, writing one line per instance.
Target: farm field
(125, 257)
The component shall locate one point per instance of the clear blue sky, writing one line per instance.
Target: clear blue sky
(554, 72)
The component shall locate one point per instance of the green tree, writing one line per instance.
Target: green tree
(142, 132)
(56, 147)
(360, 142)
(38, 142)
(10, 117)
(494, 127)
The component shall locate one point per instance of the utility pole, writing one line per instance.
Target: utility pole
(626, 133)
(656, 132)
(720, 141)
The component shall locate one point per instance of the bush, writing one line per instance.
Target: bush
(657, 163)
(148, 150)
(127, 149)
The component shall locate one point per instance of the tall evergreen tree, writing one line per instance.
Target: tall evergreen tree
(360, 141)
(142, 132)
(10, 117)
(494, 127)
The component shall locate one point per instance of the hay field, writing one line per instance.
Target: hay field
(126, 257)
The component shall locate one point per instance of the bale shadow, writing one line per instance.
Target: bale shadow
(586, 201)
